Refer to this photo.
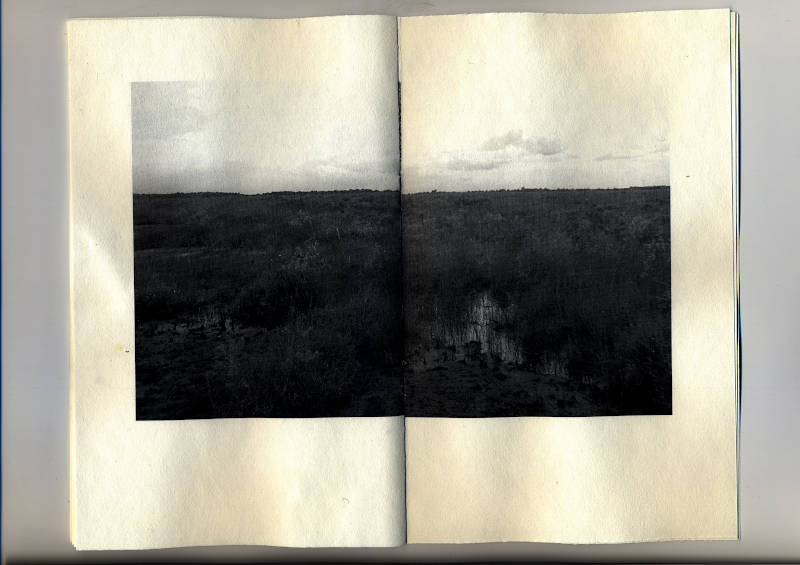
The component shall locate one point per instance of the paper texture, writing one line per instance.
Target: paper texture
(603, 479)
(358, 481)
(295, 482)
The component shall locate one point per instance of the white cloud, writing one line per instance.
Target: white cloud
(530, 145)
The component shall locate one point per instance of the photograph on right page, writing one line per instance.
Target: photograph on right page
(536, 230)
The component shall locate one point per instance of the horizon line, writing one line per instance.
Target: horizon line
(427, 191)
(308, 191)
(533, 188)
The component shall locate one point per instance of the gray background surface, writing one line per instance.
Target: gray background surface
(35, 321)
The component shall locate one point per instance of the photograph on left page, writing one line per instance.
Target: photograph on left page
(267, 253)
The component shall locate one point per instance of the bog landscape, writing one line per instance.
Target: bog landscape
(469, 304)
(537, 302)
(285, 304)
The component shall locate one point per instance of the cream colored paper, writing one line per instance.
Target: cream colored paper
(332, 482)
(605, 479)
(314, 482)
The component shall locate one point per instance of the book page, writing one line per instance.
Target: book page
(235, 320)
(569, 263)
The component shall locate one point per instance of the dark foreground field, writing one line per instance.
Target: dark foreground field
(282, 304)
(537, 303)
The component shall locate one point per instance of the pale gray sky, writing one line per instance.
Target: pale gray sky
(321, 116)
(541, 101)
(509, 101)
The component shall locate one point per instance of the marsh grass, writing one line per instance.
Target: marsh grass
(281, 304)
(574, 286)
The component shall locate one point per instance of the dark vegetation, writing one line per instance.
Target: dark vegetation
(537, 302)
(281, 304)
(533, 302)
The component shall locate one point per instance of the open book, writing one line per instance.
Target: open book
(363, 281)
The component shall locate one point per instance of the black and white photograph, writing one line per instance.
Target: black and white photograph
(536, 232)
(519, 265)
(538, 302)
(267, 252)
